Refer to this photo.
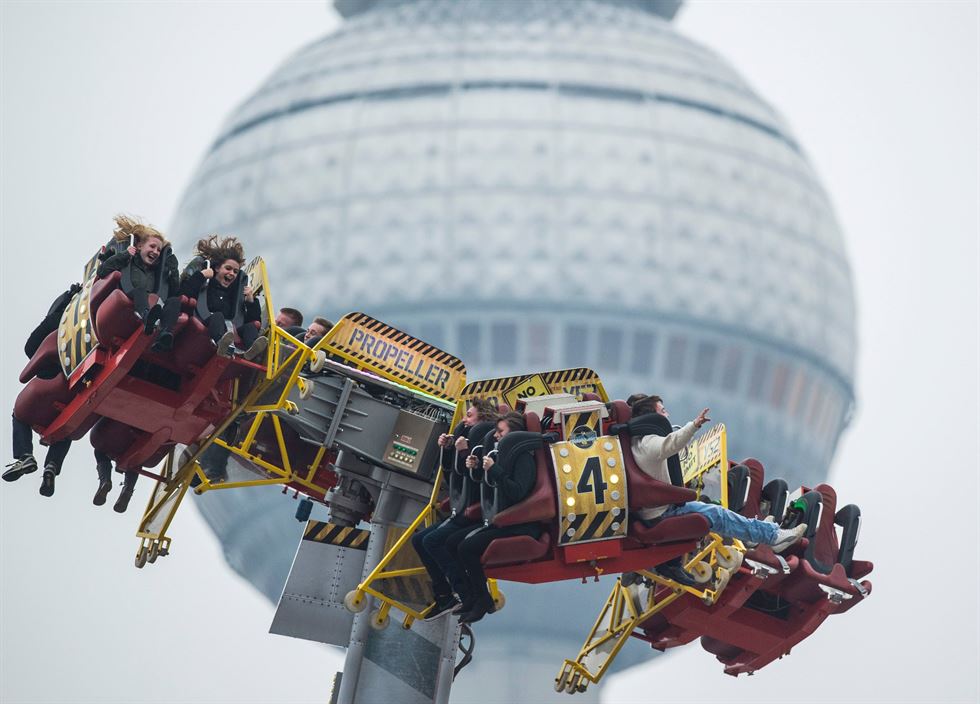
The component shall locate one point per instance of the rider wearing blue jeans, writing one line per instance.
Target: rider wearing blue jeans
(652, 453)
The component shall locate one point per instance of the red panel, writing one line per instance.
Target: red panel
(583, 552)
(556, 569)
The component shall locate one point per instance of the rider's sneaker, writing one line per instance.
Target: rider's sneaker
(155, 313)
(788, 536)
(443, 606)
(15, 470)
(47, 480)
(164, 343)
(225, 343)
(257, 348)
(675, 572)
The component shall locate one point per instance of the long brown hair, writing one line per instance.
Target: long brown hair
(218, 249)
(485, 410)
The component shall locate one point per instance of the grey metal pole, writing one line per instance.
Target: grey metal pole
(362, 622)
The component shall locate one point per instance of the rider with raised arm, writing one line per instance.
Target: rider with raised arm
(652, 452)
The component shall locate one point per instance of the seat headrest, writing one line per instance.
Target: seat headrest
(532, 422)
(619, 412)
(514, 443)
(476, 432)
(591, 397)
(503, 408)
(649, 424)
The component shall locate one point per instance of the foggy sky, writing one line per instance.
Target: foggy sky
(108, 107)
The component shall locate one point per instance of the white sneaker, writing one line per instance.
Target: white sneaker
(786, 537)
(257, 348)
(224, 344)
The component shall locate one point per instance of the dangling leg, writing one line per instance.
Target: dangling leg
(53, 460)
(103, 465)
(23, 447)
(129, 484)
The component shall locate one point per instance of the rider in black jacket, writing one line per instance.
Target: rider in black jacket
(147, 258)
(514, 477)
(221, 289)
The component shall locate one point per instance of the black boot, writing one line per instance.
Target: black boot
(47, 479)
(484, 605)
(129, 484)
(104, 469)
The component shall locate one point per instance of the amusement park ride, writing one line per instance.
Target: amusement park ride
(353, 423)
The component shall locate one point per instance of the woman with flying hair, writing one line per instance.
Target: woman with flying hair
(214, 272)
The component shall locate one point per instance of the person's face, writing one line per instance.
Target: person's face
(502, 429)
(284, 320)
(315, 330)
(149, 250)
(471, 417)
(661, 410)
(227, 272)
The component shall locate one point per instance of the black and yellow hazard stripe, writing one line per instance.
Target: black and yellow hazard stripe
(336, 344)
(330, 534)
(599, 526)
(406, 590)
(589, 419)
(91, 266)
(76, 336)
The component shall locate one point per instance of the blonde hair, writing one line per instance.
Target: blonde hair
(127, 227)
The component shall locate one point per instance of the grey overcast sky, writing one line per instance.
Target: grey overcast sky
(108, 107)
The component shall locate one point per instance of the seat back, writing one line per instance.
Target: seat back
(44, 362)
(467, 489)
(821, 552)
(753, 495)
(541, 504)
(510, 448)
(739, 483)
(644, 491)
(456, 481)
(773, 499)
(849, 519)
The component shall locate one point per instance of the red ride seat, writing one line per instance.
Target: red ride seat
(757, 478)
(40, 402)
(114, 319)
(45, 358)
(538, 507)
(647, 492)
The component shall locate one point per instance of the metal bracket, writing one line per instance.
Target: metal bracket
(760, 570)
(836, 596)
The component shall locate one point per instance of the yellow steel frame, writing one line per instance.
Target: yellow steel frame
(357, 597)
(621, 615)
(715, 561)
(281, 362)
